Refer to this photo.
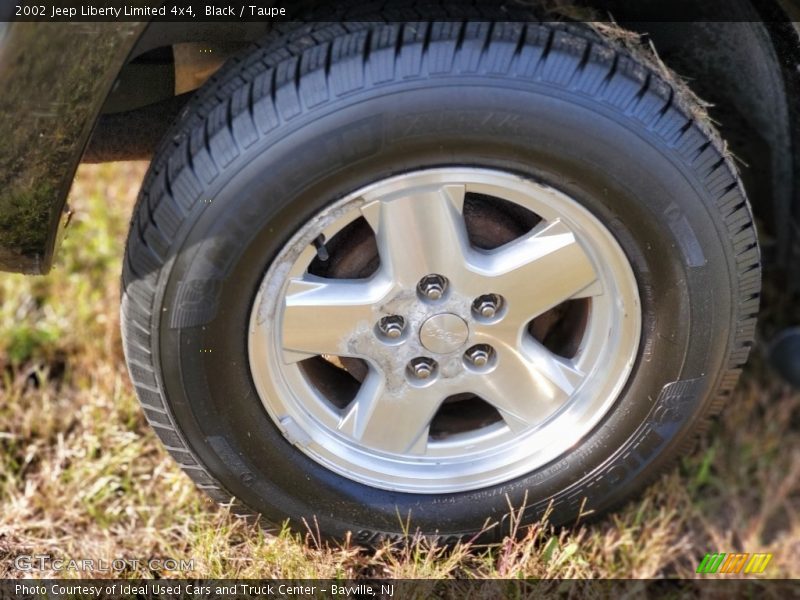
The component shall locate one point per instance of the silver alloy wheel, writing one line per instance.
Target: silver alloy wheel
(468, 337)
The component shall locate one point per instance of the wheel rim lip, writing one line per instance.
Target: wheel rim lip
(281, 388)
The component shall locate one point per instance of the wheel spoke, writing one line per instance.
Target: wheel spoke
(396, 423)
(540, 271)
(420, 233)
(528, 386)
(321, 314)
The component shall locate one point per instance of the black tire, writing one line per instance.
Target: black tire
(308, 120)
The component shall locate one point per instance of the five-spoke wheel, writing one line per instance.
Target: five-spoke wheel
(485, 355)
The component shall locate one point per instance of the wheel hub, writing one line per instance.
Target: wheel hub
(444, 333)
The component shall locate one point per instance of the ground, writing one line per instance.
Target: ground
(83, 477)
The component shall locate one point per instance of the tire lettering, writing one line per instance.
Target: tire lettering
(367, 536)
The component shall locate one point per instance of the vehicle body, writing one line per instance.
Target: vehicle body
(125, 90)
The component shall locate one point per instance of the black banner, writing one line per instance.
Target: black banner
(453, 589)
(244, 11)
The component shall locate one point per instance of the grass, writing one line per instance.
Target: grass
(82, 475)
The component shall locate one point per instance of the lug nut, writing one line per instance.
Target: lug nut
(422, 368)
(479, 358)
(432, 286)
(392, 326)
(486, 306)
(480, 355)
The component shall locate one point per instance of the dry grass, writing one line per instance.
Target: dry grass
(82, 476)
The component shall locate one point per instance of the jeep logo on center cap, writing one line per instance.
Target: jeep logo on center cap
(443, 333)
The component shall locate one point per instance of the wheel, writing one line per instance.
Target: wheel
(408, 275)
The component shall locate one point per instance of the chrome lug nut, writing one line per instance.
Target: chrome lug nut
(487, 306)
(432, 286)
(392, 326)
(480, 355)
(479, 358)
(422, 368)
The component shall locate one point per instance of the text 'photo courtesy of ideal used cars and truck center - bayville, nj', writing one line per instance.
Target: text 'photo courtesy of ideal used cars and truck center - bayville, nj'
(399, 298)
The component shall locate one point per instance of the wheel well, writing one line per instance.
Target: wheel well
(735, 66)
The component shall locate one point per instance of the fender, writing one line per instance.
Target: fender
(55, 78)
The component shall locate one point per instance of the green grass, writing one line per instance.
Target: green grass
(82, 475)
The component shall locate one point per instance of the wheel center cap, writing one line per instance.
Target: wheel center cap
(443, 333)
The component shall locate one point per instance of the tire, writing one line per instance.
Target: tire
(306, 129)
